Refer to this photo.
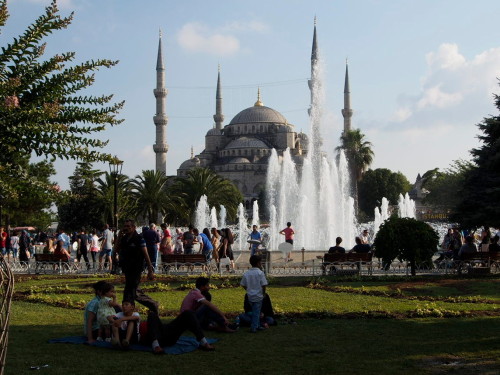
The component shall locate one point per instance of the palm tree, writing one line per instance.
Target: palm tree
(105, 190)
(149, 192)
(185, 192)
(359, 155)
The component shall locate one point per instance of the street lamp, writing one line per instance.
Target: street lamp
(115, 169)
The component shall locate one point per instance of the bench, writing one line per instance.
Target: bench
(177, 260)
(52, 263)
(333, 260)
(479, 263)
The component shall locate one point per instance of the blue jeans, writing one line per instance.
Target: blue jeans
(256, 307)
(206, 315)
(153, 254)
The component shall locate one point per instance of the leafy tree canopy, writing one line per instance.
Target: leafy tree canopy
(42, 111)
(443, 185)
(185, 192)
(379, 183)
(406, 239)
(480, 196)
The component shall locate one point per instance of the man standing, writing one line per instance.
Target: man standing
(254, 236)
(132, 253)
(107, 247)
(152, 238)
(188, 240)
(83, 247)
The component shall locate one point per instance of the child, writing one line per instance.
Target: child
(254, 281)
(126, 326)
(90, 325)
(106, 312)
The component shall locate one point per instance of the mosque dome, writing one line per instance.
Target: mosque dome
(190, 163)
(258, 113)
(246, 142)
(214, 131)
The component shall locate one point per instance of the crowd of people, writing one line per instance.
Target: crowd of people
(106, 320)
(457, 243)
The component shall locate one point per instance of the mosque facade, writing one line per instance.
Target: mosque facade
(239, 151)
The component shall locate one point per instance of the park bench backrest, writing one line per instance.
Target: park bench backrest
(348, 257)
(183, 258)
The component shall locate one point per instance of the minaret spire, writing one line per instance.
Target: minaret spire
(218, 117)
(160, 119)
(314, 62)
(347, 111)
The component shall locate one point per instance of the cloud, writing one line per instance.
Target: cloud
(196, 37)
(241, 26)
(454, 90)
(221, 41)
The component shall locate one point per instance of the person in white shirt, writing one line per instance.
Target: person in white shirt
(254, 281)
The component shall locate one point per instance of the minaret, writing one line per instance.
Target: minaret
(218, 117)
(160, 119)
(314, 61)
(347, 111)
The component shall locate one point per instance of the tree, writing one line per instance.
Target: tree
(359, 155)
(443, 186)
(406, 239)
(480, 196)
(185, 192)
(81, 208)
(149, 192)
(31, 205)
(379, 183)
(105, 190)
(41, 110)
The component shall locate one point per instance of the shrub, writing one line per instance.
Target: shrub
(405, 239)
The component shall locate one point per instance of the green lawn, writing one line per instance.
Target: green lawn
(333, 334)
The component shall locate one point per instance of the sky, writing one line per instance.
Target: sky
(422, 73)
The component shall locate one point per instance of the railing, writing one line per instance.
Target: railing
(311, 267)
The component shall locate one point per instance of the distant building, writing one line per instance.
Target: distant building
(240, 150)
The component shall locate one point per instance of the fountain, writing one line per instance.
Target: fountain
(222, 216)
(381, 215)
(242, 230)
(315, 200)
(255, 214)
(202, 214)
(213, 218)
(406, 206)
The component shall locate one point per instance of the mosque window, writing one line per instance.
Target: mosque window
(253, 128)
(245, 128)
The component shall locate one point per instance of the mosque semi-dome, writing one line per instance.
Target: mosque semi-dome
(246, 142)
(258, 113)
(214, 131)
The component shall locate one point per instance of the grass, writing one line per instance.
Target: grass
(333, 334)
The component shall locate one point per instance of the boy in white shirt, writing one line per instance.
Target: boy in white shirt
(126, 326)
(254, 281)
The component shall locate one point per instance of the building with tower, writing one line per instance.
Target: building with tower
(160, 119)
(240, 150)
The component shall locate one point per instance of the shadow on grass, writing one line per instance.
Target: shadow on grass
(423, 346)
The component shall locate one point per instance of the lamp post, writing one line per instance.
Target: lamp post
(115, 169)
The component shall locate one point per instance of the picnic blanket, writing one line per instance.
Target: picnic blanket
(185, 344)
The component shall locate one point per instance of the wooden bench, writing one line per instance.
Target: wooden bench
(479, 263)
(52, 263)
(333, 260)
(177, 260)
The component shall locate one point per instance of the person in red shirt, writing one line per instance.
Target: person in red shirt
(288, 232)
(3, 241)
(206, 312)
